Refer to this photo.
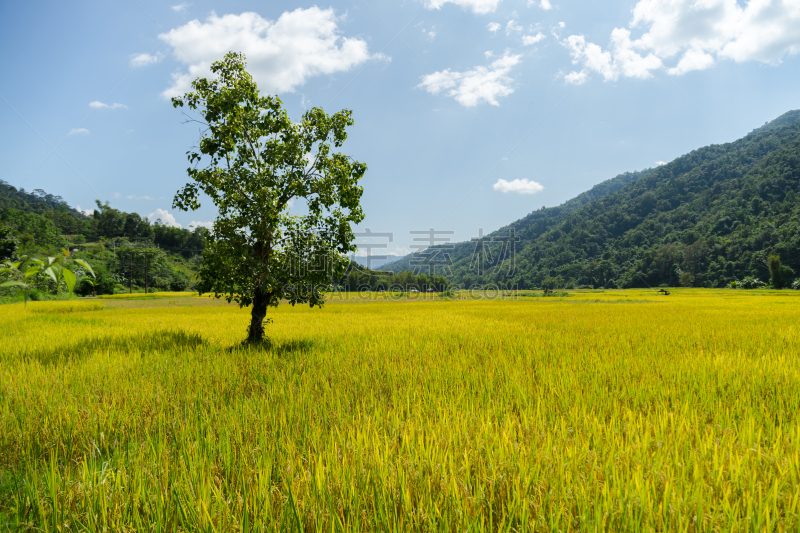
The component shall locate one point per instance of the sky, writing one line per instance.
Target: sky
(469, 114)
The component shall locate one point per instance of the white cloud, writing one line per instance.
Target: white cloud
(281, 54)
(179, 7)
(577, 78)
(86, 212)
(197, 224)
(693, 59)
(695, 35)
(142, 60)
(622, 60)
(493, 27)
(512, 26)
(661, 163)
(476, 6)
(519, 186)
(132, 197)
(100, 105)
(78, 131)
(165, 216)
(472, 87)
(528, 40)
(544, 4)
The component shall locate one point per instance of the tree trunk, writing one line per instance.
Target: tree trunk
(260, 302)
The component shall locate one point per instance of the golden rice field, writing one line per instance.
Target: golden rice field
(599, 411)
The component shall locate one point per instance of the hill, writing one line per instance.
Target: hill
(704, 219)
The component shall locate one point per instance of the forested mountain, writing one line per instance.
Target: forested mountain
(705, 219)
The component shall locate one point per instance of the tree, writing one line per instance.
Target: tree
(686, 279)
(257, 162)
(780, 275)
(8, 244)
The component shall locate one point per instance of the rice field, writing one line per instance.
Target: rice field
(594, 411)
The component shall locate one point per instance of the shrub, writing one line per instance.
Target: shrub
(780, 275)
(752, 283)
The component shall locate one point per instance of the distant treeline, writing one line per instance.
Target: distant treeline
(358, 278)
(125, 249)
(45, 220)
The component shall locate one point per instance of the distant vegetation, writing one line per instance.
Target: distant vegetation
(114, 242)
(706, 219)
(358, 278)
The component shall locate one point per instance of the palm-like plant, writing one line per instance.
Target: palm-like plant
(54, 267)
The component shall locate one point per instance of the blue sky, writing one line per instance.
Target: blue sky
(469, 113)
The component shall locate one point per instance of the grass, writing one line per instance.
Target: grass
(674, 413)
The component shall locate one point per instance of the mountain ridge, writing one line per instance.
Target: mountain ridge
(711, 215)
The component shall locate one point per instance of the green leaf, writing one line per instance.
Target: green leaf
(32, 271)
(69, 279)
(85, 265)
(49, 272)
(13, 284)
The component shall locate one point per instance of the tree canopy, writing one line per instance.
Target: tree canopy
(256, 163)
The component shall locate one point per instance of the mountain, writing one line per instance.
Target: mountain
(704, 219)
(376, 261)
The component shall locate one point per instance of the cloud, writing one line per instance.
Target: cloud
(472, 87)
(142, 60)
(132, 197)
(693, 59)
(86, 212)
(661, 163)
(694, 35)
(622, 60)
(78, 131)
(512, 26)
(431, 33)
(100, 105)
(519, 186)
(197, 224)
(480, 7)
(180, 7)
(281, 55)
(528, 40)
(577, 78)
(493, 27)
(544, 4)
(166, 218)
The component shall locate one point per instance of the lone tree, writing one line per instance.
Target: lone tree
(256, 163)
(780, 275)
